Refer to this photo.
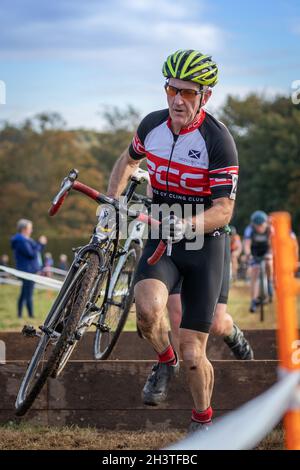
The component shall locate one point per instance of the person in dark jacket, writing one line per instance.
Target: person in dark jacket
(27, 256)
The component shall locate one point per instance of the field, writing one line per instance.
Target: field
(25, 436)
(238, 307)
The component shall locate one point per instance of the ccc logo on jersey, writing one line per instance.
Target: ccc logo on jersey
(177, 177)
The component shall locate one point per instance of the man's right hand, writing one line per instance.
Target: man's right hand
(174, 227)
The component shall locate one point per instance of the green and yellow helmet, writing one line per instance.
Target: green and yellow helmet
(191, 65)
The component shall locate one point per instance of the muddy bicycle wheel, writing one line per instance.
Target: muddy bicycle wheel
(58, 336)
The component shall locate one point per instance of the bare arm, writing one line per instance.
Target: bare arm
(122, 170)
(247, 247)
(218, 215)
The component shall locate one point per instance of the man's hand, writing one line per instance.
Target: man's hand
(174, 227)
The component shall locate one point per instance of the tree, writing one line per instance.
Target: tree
(268, 142)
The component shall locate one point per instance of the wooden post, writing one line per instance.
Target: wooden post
(287, 287)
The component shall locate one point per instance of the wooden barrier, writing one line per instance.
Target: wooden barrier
(131, 347)
(108, 394)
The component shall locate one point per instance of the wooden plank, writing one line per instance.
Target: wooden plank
(107, 394)
(131, 347)
(11, 375)
(118, 385)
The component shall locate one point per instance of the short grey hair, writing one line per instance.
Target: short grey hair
(22, 223)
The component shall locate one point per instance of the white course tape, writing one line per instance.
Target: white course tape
(45, 281)
(50, 283)
(14, 282)
(247, 426)
(50, 269)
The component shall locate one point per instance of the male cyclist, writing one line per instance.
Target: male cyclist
(257, 244)
(192, 160)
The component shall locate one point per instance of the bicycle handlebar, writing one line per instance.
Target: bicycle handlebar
(155, 257)
(70, 183)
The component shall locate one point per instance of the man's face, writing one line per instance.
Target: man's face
(261, 228)
(27, 230)
(183, 111)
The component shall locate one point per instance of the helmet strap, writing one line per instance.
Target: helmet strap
(200, 104)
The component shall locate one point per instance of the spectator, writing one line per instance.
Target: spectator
(63, 262)
(26, 252)
(48, 264)
(4, 260)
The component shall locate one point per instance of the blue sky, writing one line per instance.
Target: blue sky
(76, 57)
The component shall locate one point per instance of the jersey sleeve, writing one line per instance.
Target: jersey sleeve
(248, 232)
(223, 165)
(137, 149)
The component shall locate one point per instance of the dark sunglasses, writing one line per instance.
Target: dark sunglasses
(185, 93)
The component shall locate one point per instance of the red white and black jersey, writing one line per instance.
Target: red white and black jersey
(194, 167)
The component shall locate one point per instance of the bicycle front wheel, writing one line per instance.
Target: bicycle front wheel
(58, 337)
(117, 306)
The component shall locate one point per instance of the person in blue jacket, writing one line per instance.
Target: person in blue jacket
(27, 254)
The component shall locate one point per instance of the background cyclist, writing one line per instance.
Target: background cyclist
(222, 324)
(257, 245)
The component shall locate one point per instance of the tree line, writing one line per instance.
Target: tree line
(37, 154)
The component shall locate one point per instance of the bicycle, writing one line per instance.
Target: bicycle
(120, 294)
(84, 297)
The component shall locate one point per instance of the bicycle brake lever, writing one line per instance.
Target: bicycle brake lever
(169, 246)
(66, 186)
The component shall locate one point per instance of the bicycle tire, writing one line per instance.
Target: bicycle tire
(24, 403)
(263, 293)
(105, 341)
(99, 288)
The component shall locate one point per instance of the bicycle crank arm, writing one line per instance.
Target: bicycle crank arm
(103, 328)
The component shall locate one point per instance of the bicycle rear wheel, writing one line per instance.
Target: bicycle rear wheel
(117, 306)
(58, 334)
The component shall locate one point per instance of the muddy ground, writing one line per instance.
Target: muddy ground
(27, 437)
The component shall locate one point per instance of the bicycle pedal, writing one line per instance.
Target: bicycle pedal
(103, 328)
(29, 331)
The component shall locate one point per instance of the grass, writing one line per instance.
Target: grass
(238, 307)
(26, 436)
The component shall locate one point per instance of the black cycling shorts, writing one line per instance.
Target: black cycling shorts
(200, 273)
(223, 297)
